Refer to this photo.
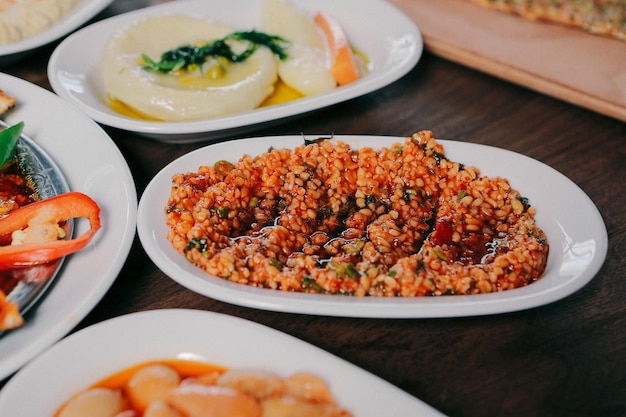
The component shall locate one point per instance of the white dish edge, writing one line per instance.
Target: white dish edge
(74, 67)
(578, 246)
(97, 351)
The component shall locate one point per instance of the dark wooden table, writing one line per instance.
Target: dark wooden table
(567, 358)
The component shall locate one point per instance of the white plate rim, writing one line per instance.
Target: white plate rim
(558, 281)
(80, 14)
(206, 336)
(87, 275)
(75, 81)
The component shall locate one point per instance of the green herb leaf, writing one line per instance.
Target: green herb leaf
(222, 212)
(276, 264)
(316, 140)
(440, 255)
(308, 282)
(197, 243)
(188, 55)
(8, 142)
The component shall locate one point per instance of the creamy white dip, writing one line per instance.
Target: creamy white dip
(188, 96)
(21, 19)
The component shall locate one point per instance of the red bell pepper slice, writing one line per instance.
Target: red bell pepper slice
(53, 210)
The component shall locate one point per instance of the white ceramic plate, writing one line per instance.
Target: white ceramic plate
(577, 237)
(92, 164)
(79, 15)
(98, 351)
(386, 36)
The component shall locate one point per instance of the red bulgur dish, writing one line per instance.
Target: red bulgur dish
(325, 218)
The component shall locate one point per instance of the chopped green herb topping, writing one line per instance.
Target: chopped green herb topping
(197, 243)
(317, 140)
(308, 282)
(187, 56)
(440, 255)
(222, 212)
(276, 264)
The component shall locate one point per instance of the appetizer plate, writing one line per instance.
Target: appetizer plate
(389, 39)
(79, 15)
(48, 181)
(92, 164)
(95, 352)
(578, 239)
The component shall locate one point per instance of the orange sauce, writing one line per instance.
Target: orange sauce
(185, 368)
(119, 380)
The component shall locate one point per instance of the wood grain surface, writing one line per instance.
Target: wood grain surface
(564, 359)
(567, 63)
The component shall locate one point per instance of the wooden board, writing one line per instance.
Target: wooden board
(569, 64)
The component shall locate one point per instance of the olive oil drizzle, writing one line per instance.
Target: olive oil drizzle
(187, 56)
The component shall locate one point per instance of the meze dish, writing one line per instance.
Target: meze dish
(26, 18)
(26, 25)
(402, 221)
(195, 342)
(36, 211)
(375, 30)
(578, 240)
(90, 162)
(190, 388)
(179, 67)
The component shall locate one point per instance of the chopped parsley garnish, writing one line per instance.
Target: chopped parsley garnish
(222, 212)
(440, 255)
(197, 243)
(317, 140)
(308, 282)
(408, 193)
(187, 56)
(276, 264)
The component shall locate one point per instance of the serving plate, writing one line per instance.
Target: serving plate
(95, 352)
(578, 239)
(91, 163)
(389, 39)
(85, 9)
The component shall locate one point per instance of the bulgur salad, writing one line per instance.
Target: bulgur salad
(400, 221)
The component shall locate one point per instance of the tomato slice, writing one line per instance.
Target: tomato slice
(442, 234)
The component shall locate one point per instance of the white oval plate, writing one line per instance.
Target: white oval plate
(389, 39)
(98, 351)
(578, 239)
(79, 15)
(92, 164)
